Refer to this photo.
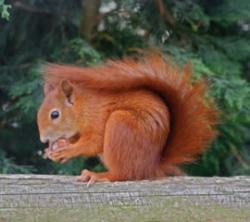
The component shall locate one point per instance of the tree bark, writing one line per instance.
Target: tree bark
(90, 18)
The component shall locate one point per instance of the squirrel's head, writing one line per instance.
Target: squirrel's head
(56, 118)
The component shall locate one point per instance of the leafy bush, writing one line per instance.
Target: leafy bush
(212, 35)
(4, 10)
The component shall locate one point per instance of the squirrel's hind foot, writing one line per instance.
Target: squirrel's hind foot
(91, 177)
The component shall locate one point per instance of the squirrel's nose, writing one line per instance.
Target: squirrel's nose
(44, 139)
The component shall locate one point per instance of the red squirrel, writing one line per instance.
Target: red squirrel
(142, 117)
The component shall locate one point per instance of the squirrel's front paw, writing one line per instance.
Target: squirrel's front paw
(61, 155)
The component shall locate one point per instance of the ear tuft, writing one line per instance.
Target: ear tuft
(47, 88)
(67, 88)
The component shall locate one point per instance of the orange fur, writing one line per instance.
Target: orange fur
(144, 117)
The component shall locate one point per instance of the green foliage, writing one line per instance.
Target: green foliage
(212, 35)
(7, 165)
(230, 11)
(77, 51)
(4, 10)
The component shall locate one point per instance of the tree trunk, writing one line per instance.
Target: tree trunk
(90, 18)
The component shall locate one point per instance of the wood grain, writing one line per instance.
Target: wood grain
(61, 198)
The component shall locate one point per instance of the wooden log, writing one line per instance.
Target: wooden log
(61, 198)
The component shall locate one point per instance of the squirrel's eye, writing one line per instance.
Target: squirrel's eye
(54, 114)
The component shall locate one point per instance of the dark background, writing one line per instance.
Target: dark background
(214, 35)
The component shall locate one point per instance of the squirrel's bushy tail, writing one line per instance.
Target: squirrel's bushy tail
(192, 115)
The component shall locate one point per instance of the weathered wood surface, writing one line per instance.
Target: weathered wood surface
(61, 198)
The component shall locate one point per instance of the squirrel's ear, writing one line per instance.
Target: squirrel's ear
(67, 88)
(47, 88)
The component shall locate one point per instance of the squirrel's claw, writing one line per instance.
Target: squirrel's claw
(46, 154)
(59, 155)
(91, 177)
